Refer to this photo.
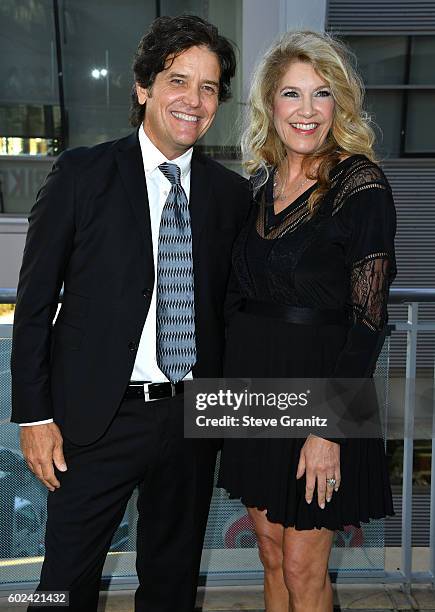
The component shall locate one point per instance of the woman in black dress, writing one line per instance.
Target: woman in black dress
(320, 237)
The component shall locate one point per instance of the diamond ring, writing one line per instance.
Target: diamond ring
(331, 481)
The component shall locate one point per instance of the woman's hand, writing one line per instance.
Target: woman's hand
(320, 459)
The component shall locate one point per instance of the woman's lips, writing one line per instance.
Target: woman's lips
(304, 132)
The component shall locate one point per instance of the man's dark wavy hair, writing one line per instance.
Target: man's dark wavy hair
(170, 36)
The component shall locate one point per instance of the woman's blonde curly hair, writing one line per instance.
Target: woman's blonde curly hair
(350, 133)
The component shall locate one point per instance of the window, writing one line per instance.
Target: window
(399, 76)
(29, 101)
(99, 39)
(91, 44)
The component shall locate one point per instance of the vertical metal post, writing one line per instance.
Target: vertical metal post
(52, 68)
(432, 501)
(405, 96)
(408, 444)
(2, 201)
(107, 79)
(63, 115)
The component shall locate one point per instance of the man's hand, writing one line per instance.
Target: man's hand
(41, 446)
(320, 459)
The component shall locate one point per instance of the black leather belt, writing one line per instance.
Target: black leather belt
(153, 391)
(295, 314)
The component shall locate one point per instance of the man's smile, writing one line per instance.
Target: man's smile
(185, 116)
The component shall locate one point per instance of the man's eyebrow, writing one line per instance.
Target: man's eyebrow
(212, 82)
(179, 75)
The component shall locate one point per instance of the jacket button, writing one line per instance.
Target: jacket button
(147, 293)
(132, 346)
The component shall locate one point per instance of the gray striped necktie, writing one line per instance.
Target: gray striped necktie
(176, 349)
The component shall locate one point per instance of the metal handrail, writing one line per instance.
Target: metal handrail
(398, 295)
(8, 296)
(405, 295)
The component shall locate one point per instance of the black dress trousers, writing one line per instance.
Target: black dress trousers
(144, 446)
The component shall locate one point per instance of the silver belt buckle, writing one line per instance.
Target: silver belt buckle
(146, 392)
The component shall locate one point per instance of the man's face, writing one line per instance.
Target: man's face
(182, 102)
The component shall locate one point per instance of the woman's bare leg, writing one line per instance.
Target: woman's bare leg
(305, 565)
(270, 544)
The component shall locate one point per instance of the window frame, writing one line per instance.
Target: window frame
(404, 88)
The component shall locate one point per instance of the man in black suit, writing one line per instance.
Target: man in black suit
(100, 407)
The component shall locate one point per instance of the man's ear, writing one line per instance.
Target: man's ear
(142, 94)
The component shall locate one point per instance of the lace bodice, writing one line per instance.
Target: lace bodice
(342, 257)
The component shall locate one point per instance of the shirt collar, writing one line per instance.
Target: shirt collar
(153, 157)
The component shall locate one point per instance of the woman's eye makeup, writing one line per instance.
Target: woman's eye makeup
(291, 93)
(323, 93)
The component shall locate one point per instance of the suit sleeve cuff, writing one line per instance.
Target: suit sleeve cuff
(36, 423)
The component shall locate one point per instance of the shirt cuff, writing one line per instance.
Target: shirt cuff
(36, 423)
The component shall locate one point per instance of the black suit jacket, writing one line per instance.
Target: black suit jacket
(90, 231)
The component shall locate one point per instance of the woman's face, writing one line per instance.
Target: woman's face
(303, 109)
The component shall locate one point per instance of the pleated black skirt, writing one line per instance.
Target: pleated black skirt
(262, 472)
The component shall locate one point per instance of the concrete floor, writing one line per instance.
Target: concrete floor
(365, 598)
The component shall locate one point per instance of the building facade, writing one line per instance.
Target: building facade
(66, 75)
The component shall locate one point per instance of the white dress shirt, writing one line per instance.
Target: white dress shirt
(158, 187)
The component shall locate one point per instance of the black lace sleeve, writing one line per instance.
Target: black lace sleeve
(371, 219)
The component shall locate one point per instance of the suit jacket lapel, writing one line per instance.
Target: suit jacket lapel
(130, 166)
(199, 200)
